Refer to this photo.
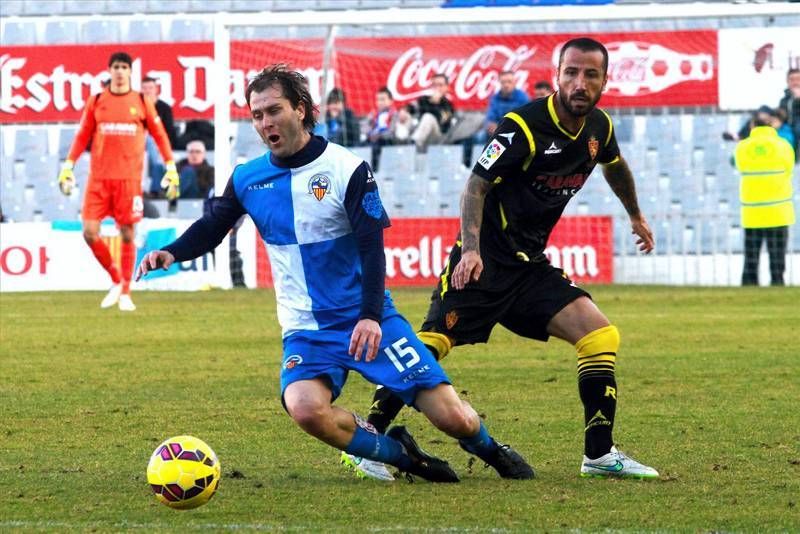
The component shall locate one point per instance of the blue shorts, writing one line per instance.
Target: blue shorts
(403, 364)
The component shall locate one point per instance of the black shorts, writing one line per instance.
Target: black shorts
(523, 298)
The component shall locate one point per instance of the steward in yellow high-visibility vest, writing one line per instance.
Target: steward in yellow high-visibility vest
(765, 162)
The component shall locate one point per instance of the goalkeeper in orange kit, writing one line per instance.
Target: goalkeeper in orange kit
(115, 122)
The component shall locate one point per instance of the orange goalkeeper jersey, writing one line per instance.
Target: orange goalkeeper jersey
(116, 125)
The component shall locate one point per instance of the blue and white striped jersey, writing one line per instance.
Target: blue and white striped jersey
(310, 209)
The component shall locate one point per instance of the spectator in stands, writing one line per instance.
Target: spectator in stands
(765, 162)
(197, 176)
(155, 165)
(435, 113)
(789, 106)
(342, 123)
(382, 124)
(508, 97)
(116, 120)
(542, 89)
(764, 115)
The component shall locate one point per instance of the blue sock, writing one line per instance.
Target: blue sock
(481, 444)
(378, 447)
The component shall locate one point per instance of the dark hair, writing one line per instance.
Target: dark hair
(584, 44)
(386, 91)
(441, 75)
(542, 84)
(149, 79)
(294, 87)
(504, 72)
(121, 57)
(792, 71)
(335, 96)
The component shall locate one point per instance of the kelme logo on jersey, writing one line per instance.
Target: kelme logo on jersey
(490, 154)
(372, 204)
(318, 186)
(292, 361)
(594, 146)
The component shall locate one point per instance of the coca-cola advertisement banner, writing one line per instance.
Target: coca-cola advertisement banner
(417, 250)
(753, 65)
(52, 83)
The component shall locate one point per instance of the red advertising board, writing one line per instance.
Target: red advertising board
(51, 83)
(416, 250)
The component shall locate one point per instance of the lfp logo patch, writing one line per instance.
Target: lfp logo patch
(490, 154)
(372, 204)
(318, 186)
(292, 361)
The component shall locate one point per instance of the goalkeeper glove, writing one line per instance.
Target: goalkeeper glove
(66, 178)
(171, 183)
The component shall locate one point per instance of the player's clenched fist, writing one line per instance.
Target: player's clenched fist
(66, 178)
(156, 259)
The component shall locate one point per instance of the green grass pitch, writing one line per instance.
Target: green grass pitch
(709, 389)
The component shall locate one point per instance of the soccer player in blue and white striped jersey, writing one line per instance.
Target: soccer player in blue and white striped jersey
(317, 207)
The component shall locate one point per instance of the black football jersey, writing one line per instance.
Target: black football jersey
(537, 166)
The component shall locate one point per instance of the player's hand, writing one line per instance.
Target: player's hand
(171, 182)
(155, 259)
(640, 228)
(468, 270)
(366, 335)
(66, 178)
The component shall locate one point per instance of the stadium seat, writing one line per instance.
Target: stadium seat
(125, 6)
(173, 6)
(251, 5)
(144, 31)
(623, 128)
(204, 6)
(363, 152)
(43, 7)
(30, 141)
(189, 30)
(101, 31)
(41, 169)
(189, 209)
(61, 32)
(397, 162)
(66, 134)
(18, 33)
(13, 7)
(86, 7)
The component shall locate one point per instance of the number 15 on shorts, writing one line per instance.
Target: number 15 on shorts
(400, 350)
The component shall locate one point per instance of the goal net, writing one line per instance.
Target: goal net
(665, 70)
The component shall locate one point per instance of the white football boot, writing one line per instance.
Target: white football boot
(125, 303)
(112, 297)
(365, 468)
(616, 464)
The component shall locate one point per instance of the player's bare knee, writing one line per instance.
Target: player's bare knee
(309, 415)
(457, 421)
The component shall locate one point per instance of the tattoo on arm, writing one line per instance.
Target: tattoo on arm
(472, 212)
(620, 179)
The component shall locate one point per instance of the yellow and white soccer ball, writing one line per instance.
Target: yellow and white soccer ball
(183, 472)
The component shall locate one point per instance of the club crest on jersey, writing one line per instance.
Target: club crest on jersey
(318, 186)
(372, 204)
(292, 361)
(133, 110)
(490, 154)
(594, 146)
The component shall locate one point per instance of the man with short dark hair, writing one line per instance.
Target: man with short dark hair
(316, 205)
(435, 113)
(115, 121)
(542, 89)
(538, 158)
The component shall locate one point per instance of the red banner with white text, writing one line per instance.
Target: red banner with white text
(51, 83)
(416, 250)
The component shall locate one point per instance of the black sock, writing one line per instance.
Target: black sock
(386, 405)
(599, 396)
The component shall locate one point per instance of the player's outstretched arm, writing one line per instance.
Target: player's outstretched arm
(470, 267)
(155, 259)
(620, 179)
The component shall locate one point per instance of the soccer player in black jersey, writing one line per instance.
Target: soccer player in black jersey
(538, 158)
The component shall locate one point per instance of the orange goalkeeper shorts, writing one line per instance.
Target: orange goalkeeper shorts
(119, 199)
